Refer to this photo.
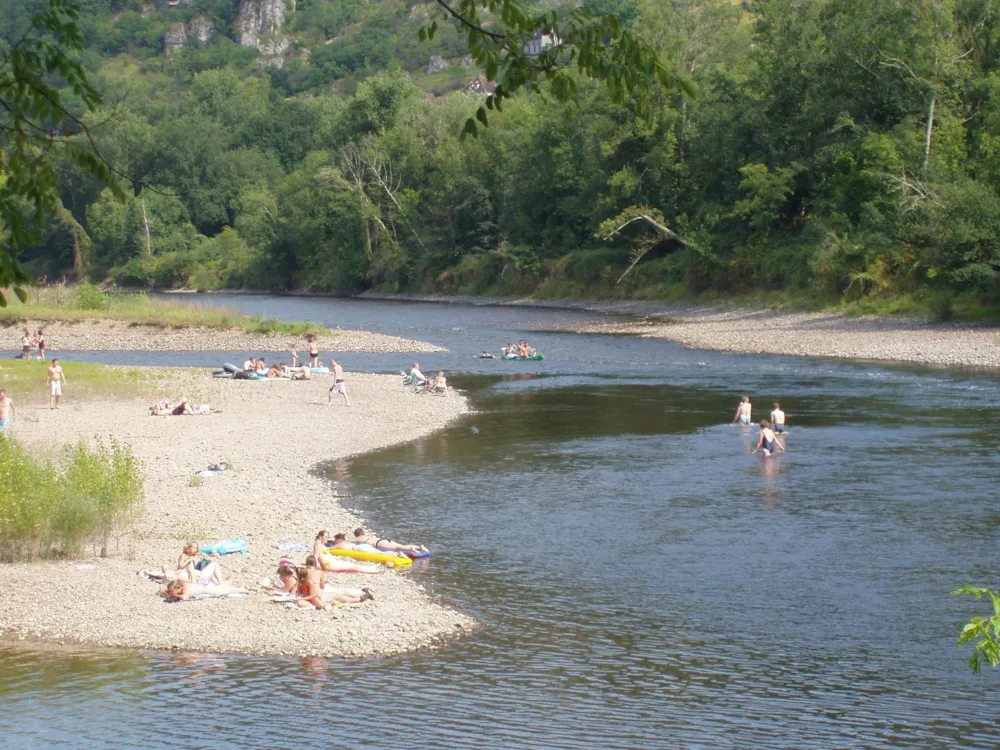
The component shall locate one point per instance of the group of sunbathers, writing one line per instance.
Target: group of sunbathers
(306, 585)
(523, 349)
(195, 576)
(437, 384)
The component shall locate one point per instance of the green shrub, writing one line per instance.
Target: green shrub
(47, 511)
(89, 297)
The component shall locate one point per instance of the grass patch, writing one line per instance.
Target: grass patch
(88, 302)
(54, 511)
(83, 380)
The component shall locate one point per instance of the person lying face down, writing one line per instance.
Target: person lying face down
(362, 537)
(340, 541)
(185, 589)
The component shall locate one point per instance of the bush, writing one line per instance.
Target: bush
(89, 297)
(51, 512)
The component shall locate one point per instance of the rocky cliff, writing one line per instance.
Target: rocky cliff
(259, 24)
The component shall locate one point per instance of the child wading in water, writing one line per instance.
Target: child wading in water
(767, 440)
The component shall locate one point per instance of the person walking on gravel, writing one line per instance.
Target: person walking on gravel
(339, 384)
(7, 411)
(56, 379)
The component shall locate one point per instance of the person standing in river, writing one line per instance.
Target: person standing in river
(56, 379)
(339, 384)
(313, 349)
(777, 419)
(743, 412)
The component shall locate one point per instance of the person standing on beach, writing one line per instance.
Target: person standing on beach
(7, 411)
(26, 345)
(41, 344)
(743, 412)
(313, 352)
(777, 418)
(56, 379)
(295, 355)
(339, 384)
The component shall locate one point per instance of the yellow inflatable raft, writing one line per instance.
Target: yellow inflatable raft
(377, 557)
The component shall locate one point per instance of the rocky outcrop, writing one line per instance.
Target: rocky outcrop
(200, 28)
(436, 64)
(259, 24)
(261, 18)
(175, 39)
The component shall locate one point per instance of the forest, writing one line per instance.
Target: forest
(827, 152)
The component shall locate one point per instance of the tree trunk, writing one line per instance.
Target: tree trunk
(930, 130)
(145, 224)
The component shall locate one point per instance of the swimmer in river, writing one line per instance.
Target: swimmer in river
(743, 412)
(767, 440)
(777, 419)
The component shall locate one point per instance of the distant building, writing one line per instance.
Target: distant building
(540, 42)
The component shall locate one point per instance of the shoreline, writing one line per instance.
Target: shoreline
(749, 330)
(273, 494)
(103, 335)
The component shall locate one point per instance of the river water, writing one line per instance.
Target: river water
(642, 580)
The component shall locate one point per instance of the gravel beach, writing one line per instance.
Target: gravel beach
(274, 433)
(818, 335)
(110, 335)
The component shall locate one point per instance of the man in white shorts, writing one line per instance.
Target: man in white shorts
(7, 411)
(339, 384)
(56, 379)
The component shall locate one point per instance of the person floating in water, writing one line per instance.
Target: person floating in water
(767, 440)
(743, 412)
(777, 419)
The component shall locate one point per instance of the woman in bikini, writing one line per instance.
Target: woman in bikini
(360, 537)
(310, 589)
(201, 571)
(185, 589)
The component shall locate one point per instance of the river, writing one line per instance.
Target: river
(642, 580)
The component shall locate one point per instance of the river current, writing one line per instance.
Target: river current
(641, 579)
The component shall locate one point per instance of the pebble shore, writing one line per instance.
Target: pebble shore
(111, 335)
(907, 340)
(274, 433)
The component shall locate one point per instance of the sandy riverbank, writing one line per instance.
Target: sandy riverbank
(109, 335)
(819, 335)
(274, 433)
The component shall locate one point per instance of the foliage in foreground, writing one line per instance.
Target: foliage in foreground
(983, 632)
(53, 511)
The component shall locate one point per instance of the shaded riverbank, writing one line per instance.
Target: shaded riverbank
(274, 433)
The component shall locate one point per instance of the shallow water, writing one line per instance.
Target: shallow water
(642, 580)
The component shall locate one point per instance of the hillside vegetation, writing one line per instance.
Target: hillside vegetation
(836, 150)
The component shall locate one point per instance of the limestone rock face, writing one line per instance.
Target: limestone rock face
(174, 40)
(436, 64)
(200, 28)
(259, 18)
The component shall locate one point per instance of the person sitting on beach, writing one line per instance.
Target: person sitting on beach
(310, 589)
(198, 570)
(743, 411)
(417, 377)
(340, 542)
(261, 366)
(250, 365)
(288, 581)
(777, 419)
(274, 372)
(302, 373)
(283, 371)
(767, 440)
(361, 537)
(184, 590)
(313, 352)
(439, 384)
(320, 544)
